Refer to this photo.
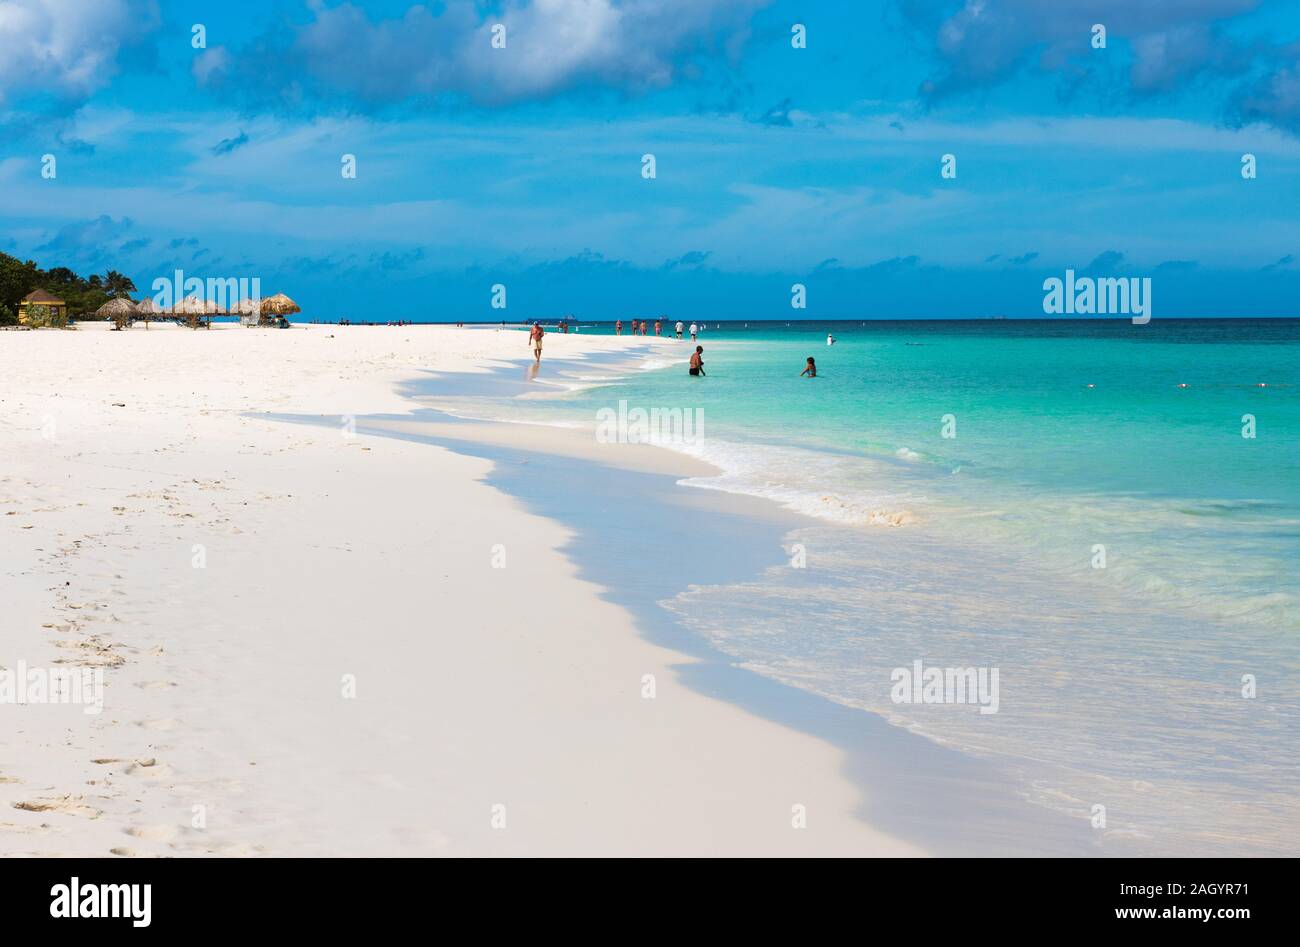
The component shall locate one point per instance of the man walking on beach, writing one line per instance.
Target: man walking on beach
(679, 330)
(694, 331)
(535, 337)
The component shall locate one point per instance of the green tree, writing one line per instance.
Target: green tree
(17, 279)
(117, 284)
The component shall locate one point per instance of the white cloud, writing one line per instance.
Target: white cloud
(66, 48)
(551, 45)
(209, 62)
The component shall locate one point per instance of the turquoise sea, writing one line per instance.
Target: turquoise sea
(1107, 513)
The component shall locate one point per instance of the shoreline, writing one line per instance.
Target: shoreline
(879, 599)
(328, 562)
(942, 799)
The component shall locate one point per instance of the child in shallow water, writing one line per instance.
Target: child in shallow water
(810, 370)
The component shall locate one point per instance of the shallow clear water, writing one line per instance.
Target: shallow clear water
(1073, 503)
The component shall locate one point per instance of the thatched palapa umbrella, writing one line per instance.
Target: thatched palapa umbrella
(278, 305)
(120, 310)
(192, 308)
(248, 311)
(146, 308)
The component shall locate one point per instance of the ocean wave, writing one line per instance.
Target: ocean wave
(803, 481)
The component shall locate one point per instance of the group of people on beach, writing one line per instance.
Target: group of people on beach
(638, 327)
(642, 327)
(537, 334)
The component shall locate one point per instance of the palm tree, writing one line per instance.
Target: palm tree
(118, 285)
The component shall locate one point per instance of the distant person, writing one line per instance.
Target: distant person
(618, 327)
(697, 361)
(535, 337)
(695, 330)
(659, 326)
(810, 370)
(830, 339)
(679, 330)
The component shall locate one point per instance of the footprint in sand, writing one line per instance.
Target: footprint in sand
(23, 829)
(153, 685)
(154, 833)
(124, 852)
(238, 850)
(71, 805)
(164, 724)
(150, 769)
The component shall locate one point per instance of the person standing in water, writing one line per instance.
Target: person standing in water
(830, 339)
(659, 327)
(679, 330)
(697, 361)
(535, 337)
(618, 327)
(810, 370)
(695, 330)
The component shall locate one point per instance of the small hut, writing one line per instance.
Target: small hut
(276, 308)
(39, 308)
(120, 310)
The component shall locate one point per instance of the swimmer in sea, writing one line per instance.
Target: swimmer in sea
(810, 370)
(697, 361)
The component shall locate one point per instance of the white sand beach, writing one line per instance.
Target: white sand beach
(234, 575)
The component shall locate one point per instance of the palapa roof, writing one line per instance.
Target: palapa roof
(42, 298)
(280, 305)
(115, 306)
(147, 306)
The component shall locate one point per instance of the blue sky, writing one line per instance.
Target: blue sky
(775, 165)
